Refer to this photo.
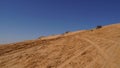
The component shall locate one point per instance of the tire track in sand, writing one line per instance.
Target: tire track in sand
(112, 47)
(101, 51)
(77, 53)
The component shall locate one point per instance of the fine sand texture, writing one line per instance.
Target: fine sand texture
(95, 48)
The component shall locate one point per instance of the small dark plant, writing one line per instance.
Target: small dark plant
(41, 37)
(98, 27)
(67, 32)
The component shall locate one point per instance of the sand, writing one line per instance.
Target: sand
(96, 48)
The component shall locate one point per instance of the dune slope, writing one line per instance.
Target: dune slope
(97, 48)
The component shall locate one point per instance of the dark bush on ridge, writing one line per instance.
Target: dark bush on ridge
(98, 27)
(41, 37)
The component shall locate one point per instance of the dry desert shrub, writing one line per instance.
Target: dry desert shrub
(41, 37)
(98, 27)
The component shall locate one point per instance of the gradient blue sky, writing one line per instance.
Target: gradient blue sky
(29, 19)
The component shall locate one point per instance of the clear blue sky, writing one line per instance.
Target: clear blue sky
(29, 19)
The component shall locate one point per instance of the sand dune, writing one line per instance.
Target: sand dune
(97, 48)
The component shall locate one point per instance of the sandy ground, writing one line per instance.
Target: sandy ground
(97, 48)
